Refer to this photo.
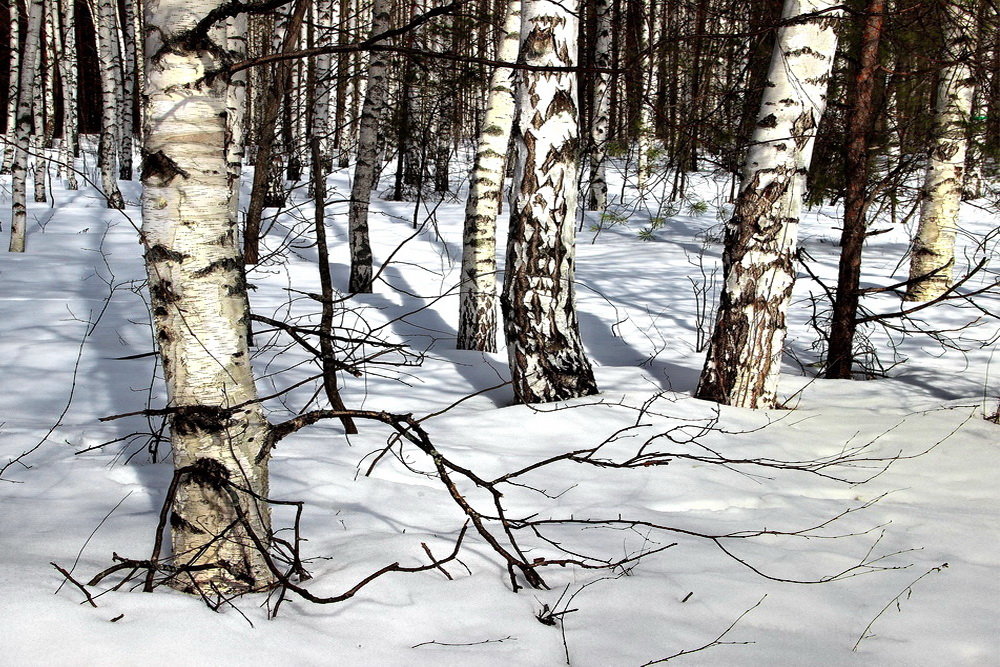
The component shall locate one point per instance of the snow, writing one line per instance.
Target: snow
(62, 342)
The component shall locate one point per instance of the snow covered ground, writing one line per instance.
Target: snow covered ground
(928, 595)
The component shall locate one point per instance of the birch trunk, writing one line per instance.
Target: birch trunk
(236, 98)
(932, 254)
(23, 126)
(597, 193)
(324, 82)
(547, 359)
(110, 63)
(70, 145)
(744, 355)
(40, 92)
(477, 319)
(14, 44)
(129, 68)
(364, 170)
(198, 298)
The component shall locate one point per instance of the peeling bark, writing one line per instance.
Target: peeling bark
(198, 299)
(547, 359)
(744, 355)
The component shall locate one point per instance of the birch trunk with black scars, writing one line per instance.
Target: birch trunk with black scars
(23, 125)
(597, 192)
(364, 170)
(14, 74)
(547, 359)
(744, 355)
(129, 69)
(477, 319)
(110, 64)
(70, 146)
(198, 298)
(932, 254)
(860, 124)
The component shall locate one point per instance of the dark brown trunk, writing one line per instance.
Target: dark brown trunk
(860, 123)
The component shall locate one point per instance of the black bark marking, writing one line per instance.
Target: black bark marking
(159, 169)
(190, 419)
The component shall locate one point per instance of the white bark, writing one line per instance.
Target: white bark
(198, 297)
(14, 44)
(324, 82)
(932, 255)
(600, 122)
(547, 359)
(67, 71)
(364, 170)
(23, 125)
(111, 77)
(744, 356)
(236, 97)
(129, 69)
(477, 301)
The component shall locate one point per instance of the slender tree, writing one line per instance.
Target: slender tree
(364, 170)
(14, 74)
(198, 300)
(547, 359)
(932, 255)
(24, 124)
(477, 320)
(860, 123)
(744, 355)
(111, 78)
(597, 195)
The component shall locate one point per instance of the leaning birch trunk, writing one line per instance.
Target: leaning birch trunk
(23, 125)
(70, 145)
(744, 355)
(14, 46)
(110, 65)
(198, 298)
(597, 193)
(477, 319)
(547, 359)
(932, 254)
(364, 170)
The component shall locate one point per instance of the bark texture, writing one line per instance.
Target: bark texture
(860, 123)
(600, 121)
(932, 255)
(23, 126)
(198, 298)
(547, 359)
(364, 170)
(477, 319)
(744, 355)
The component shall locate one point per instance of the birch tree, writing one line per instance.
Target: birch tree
(111, 81)
(364, 170)
(70, 145)
(477, 320)
(744, 355)
(198, 300)
(14, 73)
(547, 359)
(932, 254)
(23, 125)
(597, 196)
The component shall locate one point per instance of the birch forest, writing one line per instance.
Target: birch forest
(393, 309)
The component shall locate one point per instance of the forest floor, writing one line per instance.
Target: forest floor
(923, 548)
